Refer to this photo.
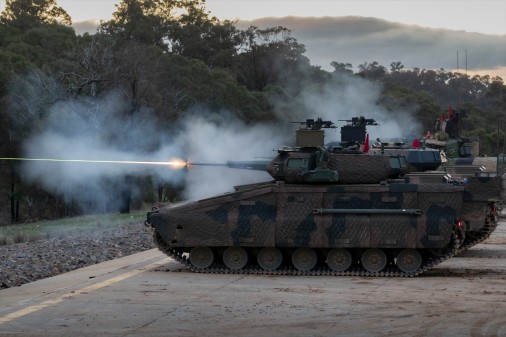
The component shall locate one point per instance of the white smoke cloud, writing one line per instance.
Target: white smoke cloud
(97, 129)
(351, 96)
(232, 140)
(92, 130)
(74, 131)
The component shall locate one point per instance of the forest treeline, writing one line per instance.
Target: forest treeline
(172, 56)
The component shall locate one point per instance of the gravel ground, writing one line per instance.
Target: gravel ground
(27, 262)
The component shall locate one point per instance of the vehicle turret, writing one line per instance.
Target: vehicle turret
(311, 161)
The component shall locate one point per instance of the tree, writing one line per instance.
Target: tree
(25, 14)
(133, 21)
(372, 71)
(342, 68)
(401, 98)
(90, 65)
(180, 27)
(214, 43)
(272, 56)
(496, 94)
(396, 66)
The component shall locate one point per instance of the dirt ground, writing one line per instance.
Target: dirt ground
(148, 294)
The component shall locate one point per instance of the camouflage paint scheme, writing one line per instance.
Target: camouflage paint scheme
(283, 215)
(482, 195)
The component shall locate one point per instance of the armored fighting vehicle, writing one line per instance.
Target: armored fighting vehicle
(355, 132)
(328, 211)
(446, 151)
(461, 159)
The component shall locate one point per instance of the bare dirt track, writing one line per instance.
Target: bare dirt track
(147, 294)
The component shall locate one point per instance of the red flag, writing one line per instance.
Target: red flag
(416, 143)
(428, 135)
(442, 118)
(451, 112)
(366, 143)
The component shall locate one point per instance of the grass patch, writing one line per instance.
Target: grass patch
(60, 228)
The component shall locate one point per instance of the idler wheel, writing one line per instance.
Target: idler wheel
(304, 259)
(409, 260)
(235, 257)
(374, 260)
(269, 258)
(339, 259)
(201, 257)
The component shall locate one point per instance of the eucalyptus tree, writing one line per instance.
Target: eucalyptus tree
(342, 68)
(271, 57)
(372, 71)
(25, 14)
(33, 35)
(179, 27)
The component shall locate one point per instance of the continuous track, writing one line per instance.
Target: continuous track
(389, 271)
(475, 237)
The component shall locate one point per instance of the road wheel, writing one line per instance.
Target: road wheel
(201, 257)
(235, 257)
(269, 258)
(304, 259)
(409, 260)
(339, 259)
(374, 260)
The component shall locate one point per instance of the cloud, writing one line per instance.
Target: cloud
(357, 40)
(354, 39)
(87, 26)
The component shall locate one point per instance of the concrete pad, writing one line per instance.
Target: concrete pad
(148, 294)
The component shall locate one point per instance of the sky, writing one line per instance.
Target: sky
(482, 16)
(419, 33)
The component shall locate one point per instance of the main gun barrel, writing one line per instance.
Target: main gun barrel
(256, 165)
(207, 164)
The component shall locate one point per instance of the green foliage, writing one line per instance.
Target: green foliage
(26, 14)
(342, 68)
(134, 20)
(372, 71)
(181, 27)
(272, 57)
(395, 97)
(217, 88)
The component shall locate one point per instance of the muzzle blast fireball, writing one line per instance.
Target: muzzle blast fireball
(174, 163)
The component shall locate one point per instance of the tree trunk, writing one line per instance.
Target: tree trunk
(13, 212)
(126, 196)
(160, 193)
(14, 198)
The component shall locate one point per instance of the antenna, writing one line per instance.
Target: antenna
(457, 61)
(466, 62)
(458, 71)
(465, 81)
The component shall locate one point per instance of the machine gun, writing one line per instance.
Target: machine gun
(359, 121)
(317, 124)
